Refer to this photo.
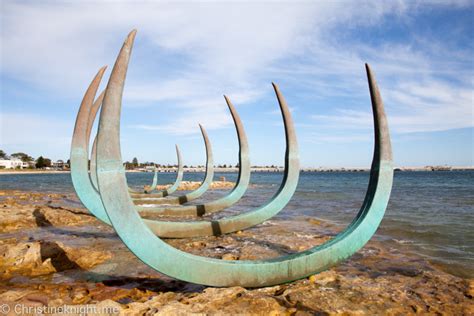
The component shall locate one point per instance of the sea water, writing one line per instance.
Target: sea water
(429, 213)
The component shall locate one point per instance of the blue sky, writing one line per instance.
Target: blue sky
(187, 55)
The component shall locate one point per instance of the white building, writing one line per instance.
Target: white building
(13, 163)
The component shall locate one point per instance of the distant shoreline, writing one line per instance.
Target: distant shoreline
(257, 169)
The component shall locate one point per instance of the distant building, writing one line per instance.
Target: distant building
(13, 163)
(60, 164)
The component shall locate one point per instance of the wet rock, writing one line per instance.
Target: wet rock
(375, 281)
(470, 289)
(225, 301)
(37, 212)
(229, 256)
(23, 258)
(323, 278)
(193, 185)
(41, 258)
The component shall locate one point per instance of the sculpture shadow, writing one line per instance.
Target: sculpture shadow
(70, 232)
(59, 258)
(64, 265)
(40, 219)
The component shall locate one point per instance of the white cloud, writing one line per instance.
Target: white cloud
(229, 48)
(222, 47)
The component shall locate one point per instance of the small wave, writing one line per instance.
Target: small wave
(402, 241)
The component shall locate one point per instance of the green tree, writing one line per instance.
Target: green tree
(47, 162)
(23, 157)
(40, 162)
(135, 162)
(3, 154)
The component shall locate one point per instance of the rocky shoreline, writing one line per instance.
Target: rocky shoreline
(53, 253)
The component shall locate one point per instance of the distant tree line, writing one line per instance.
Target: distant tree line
(134, 164)
(43, 162)
(40, 162)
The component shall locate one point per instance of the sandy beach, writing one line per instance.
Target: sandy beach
(54, 253)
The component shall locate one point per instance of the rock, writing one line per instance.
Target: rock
(470, 289)
(323, 278)
(40, 258)
(17, 216)
(229, 256)
(376, 280)
(23, 258)
(314, 221)
(198, 244)
(193, 185)
(224, 301)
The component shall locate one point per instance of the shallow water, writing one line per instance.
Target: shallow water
(430, 213)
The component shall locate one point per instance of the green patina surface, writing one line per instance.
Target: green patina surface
(228, 200)
(140, 238)
(91, 199)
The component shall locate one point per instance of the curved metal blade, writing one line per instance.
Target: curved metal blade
(79, 152)
(233, 196)
(209, 175)
(140, 239)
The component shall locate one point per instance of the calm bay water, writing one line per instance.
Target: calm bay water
(430, 213)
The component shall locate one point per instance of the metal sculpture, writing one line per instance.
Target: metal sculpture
(173, 187)
(209, 175)
(93, 175)
(90, 197)
(139, 238)
(231, 198)
(162, 193)
(151, 188)
(93, 170)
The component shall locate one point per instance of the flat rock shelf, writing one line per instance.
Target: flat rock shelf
(54, 253)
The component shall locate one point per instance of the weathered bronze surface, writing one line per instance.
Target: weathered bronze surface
(139, 235)
(236, 193)
(172, 188)
(91, 199)
(209, 175)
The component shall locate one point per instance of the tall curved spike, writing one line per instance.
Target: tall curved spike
(145, 191)
(172, 188)
(154, 183)
(93, 170)
(93, 114)
(256, 216)
(168, 191)
(159, 255)
(235, 194)
(179, 175)
(93, 165)
(79, 150)
(92, 200)
(209, 175)
(90, 122)
(111, 165)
